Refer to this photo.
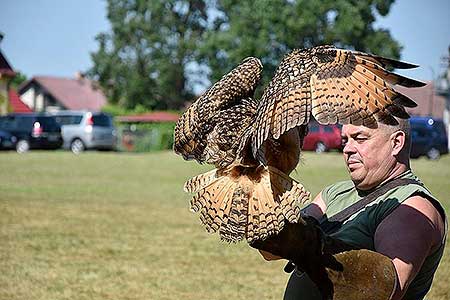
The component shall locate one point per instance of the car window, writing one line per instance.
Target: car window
(418, 132)
(440, 129)
(48, 123)
(69, 119)
(23, 122)
(313, 128)
(102, 120)
(4, 124)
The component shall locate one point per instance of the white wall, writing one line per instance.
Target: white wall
(28, 98)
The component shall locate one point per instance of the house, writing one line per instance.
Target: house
(6, 75)
(151, 117)
(47, 93)
(429, 102)
(15, 104)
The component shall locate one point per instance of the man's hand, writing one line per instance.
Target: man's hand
(337, 272)
(303, 243)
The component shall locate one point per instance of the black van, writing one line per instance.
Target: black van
(429, 137)
(32, 131)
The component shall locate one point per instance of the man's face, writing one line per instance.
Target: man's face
(368, 155)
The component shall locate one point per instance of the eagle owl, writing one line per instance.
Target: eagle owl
(255, 145)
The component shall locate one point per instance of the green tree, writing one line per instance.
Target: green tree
(18, 79)
(268, 29)
(148, 55)
(143, 59)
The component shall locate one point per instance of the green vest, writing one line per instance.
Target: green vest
(359, 231)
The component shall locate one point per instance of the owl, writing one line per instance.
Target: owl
(254, 144)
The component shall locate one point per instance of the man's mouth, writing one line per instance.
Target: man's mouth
(352, 161)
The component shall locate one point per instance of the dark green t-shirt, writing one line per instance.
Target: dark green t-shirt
(359, 231)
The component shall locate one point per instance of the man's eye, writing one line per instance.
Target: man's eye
(360, 139)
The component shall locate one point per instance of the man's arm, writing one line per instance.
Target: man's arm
(408, 235)
(315, 209)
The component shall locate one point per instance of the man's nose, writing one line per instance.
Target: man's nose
(349, 147)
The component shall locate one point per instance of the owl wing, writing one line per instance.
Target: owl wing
(335, 86)
(225, 107)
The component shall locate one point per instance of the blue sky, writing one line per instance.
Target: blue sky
(51, 37)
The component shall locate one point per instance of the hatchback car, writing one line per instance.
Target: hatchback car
(32, 131)
(82, 130)
(321, 138)
(428, 137)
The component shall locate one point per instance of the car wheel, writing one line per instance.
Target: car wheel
(433, 154)
(77, 146)
(320, 147)
(22, 146)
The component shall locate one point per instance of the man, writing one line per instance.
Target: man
(406, 223)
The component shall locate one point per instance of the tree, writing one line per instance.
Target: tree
(147, 57)
(269, 29)
(143, 59)
(18, 79)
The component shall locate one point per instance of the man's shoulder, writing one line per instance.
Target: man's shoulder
(332, 191)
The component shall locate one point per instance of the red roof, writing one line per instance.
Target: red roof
(159, 116)
(428, 102)
(74, 94)
(16, 104)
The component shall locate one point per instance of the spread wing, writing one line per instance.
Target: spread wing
(335, 86)
(211, 128)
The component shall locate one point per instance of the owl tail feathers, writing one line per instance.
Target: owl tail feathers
(246, 203)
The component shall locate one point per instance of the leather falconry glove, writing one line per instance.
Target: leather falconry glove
(338, 271)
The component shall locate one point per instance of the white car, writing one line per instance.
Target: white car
(82, 130)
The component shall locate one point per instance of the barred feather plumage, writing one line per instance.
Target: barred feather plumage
(255, 145)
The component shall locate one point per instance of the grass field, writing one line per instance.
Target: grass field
(117, 226)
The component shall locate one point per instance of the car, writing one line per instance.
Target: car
(7, 140)
(428, 137)
(32, 131)
(82, 130)
(321, 138)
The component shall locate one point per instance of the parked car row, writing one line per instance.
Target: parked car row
(74, 130)
(428, 138)
(83, 130)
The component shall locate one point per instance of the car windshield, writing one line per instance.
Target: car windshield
(102, 120)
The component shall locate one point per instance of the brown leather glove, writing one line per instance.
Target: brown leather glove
(303, 244)
(313, 252)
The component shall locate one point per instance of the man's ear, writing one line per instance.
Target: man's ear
(398, 140)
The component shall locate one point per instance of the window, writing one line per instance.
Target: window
(313, 128)
(48, 123)
(69, 119)
(102, 120)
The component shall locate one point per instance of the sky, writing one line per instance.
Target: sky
(56, 37)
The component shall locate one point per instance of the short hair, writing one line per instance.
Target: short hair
(402, 125)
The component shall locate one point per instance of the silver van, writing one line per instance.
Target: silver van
(82, 130)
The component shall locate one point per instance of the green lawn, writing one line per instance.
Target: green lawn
(117, 226)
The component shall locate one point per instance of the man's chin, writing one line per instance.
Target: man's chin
(356, 177)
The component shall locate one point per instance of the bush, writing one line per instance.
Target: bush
(145, 137)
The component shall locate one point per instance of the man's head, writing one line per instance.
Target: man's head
(373, 155)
